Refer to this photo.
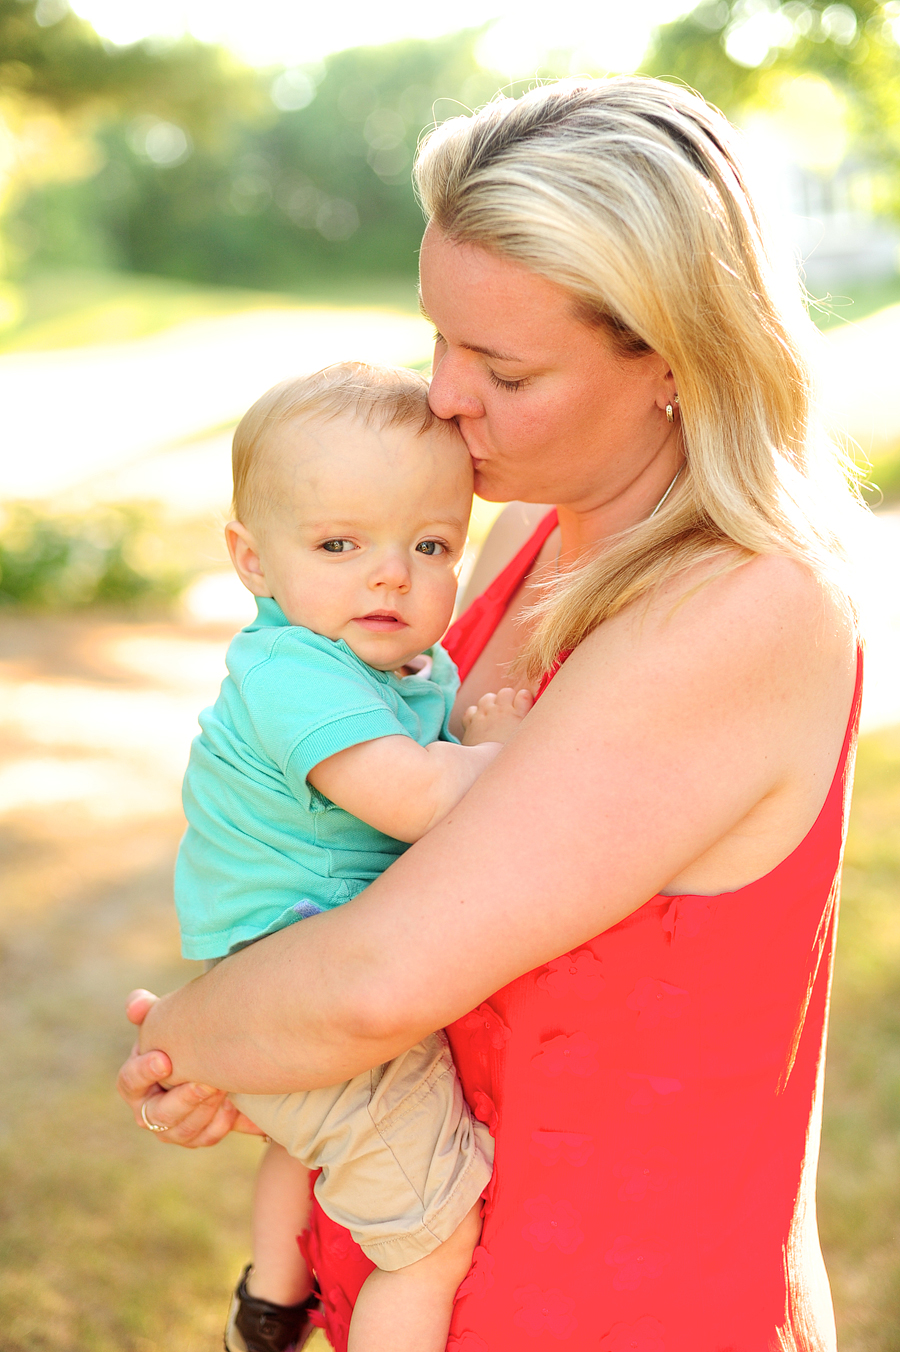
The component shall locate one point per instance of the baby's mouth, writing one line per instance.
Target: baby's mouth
(381, 621)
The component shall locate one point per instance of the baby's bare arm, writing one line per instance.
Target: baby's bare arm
(404, 789)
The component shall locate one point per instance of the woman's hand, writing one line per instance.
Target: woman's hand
(186, 1114)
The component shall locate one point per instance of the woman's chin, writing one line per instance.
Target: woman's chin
(489, 490)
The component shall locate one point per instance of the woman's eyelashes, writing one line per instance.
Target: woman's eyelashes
(501, 384)
(498, 381)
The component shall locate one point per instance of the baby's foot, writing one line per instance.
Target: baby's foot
(261, 1326)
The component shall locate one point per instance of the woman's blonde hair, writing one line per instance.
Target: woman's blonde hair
(628, 192)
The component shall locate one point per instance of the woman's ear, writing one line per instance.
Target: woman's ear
(245, 556)
(667, 391)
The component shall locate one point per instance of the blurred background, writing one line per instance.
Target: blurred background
(197, 198)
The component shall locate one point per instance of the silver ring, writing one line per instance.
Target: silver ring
(151, 1126)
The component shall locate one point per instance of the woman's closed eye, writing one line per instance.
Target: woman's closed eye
(501, 384)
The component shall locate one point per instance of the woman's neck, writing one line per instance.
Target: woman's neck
(585, 525)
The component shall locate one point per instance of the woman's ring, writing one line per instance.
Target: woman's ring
(151, 1126)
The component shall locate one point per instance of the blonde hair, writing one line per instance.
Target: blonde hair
(380, 396)
(628, 192)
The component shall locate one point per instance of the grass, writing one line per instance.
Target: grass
(884, 475)
(110, 1242)
(106, 1245)
(859, 1180)
(847, 305)
(74, 308)
(71, 308)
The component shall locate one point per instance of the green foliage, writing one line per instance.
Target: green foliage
(72, 308)
(49, 55)
(854, 45)
(318, 186)
(114, 555)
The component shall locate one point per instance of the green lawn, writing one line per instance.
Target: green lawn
(846, 305)
(859, 1189)
(74, 308)
(71, 309)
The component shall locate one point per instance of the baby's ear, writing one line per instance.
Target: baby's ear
(245, 556)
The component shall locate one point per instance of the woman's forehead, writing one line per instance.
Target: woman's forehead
(495, 305)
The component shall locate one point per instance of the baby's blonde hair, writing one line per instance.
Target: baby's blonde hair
(629, 193)
(380, 396)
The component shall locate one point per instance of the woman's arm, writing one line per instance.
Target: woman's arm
(668, 733)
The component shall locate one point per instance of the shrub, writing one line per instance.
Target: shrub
(117, 555)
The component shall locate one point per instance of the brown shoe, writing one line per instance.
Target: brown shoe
(261, 1326)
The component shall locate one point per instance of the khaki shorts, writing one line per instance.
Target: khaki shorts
(402, 1158)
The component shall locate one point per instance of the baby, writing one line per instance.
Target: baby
(326, 753)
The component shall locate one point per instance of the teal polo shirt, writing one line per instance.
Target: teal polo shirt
(263, 847)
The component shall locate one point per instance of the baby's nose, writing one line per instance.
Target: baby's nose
(391, 570)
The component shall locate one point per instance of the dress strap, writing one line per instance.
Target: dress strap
(466, 639)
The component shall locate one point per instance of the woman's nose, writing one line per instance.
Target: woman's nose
(450, 394)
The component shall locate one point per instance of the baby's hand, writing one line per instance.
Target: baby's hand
(495, 718)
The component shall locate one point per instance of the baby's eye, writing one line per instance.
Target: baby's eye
(430, 547)
(337, 546)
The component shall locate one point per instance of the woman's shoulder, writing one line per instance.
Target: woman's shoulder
(784, 599)
(752, 619)
(737, 686)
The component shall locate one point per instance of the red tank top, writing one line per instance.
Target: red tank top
(655, 1096)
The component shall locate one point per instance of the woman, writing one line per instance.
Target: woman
(611, 338)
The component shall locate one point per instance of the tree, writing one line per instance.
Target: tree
(735, 52)
(316, 183)
(49, 58)
(58, 82)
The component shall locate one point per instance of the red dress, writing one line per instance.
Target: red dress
(655, 1097)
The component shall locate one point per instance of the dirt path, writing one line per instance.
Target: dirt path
(76, 414)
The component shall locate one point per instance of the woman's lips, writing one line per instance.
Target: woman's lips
(381, 622)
